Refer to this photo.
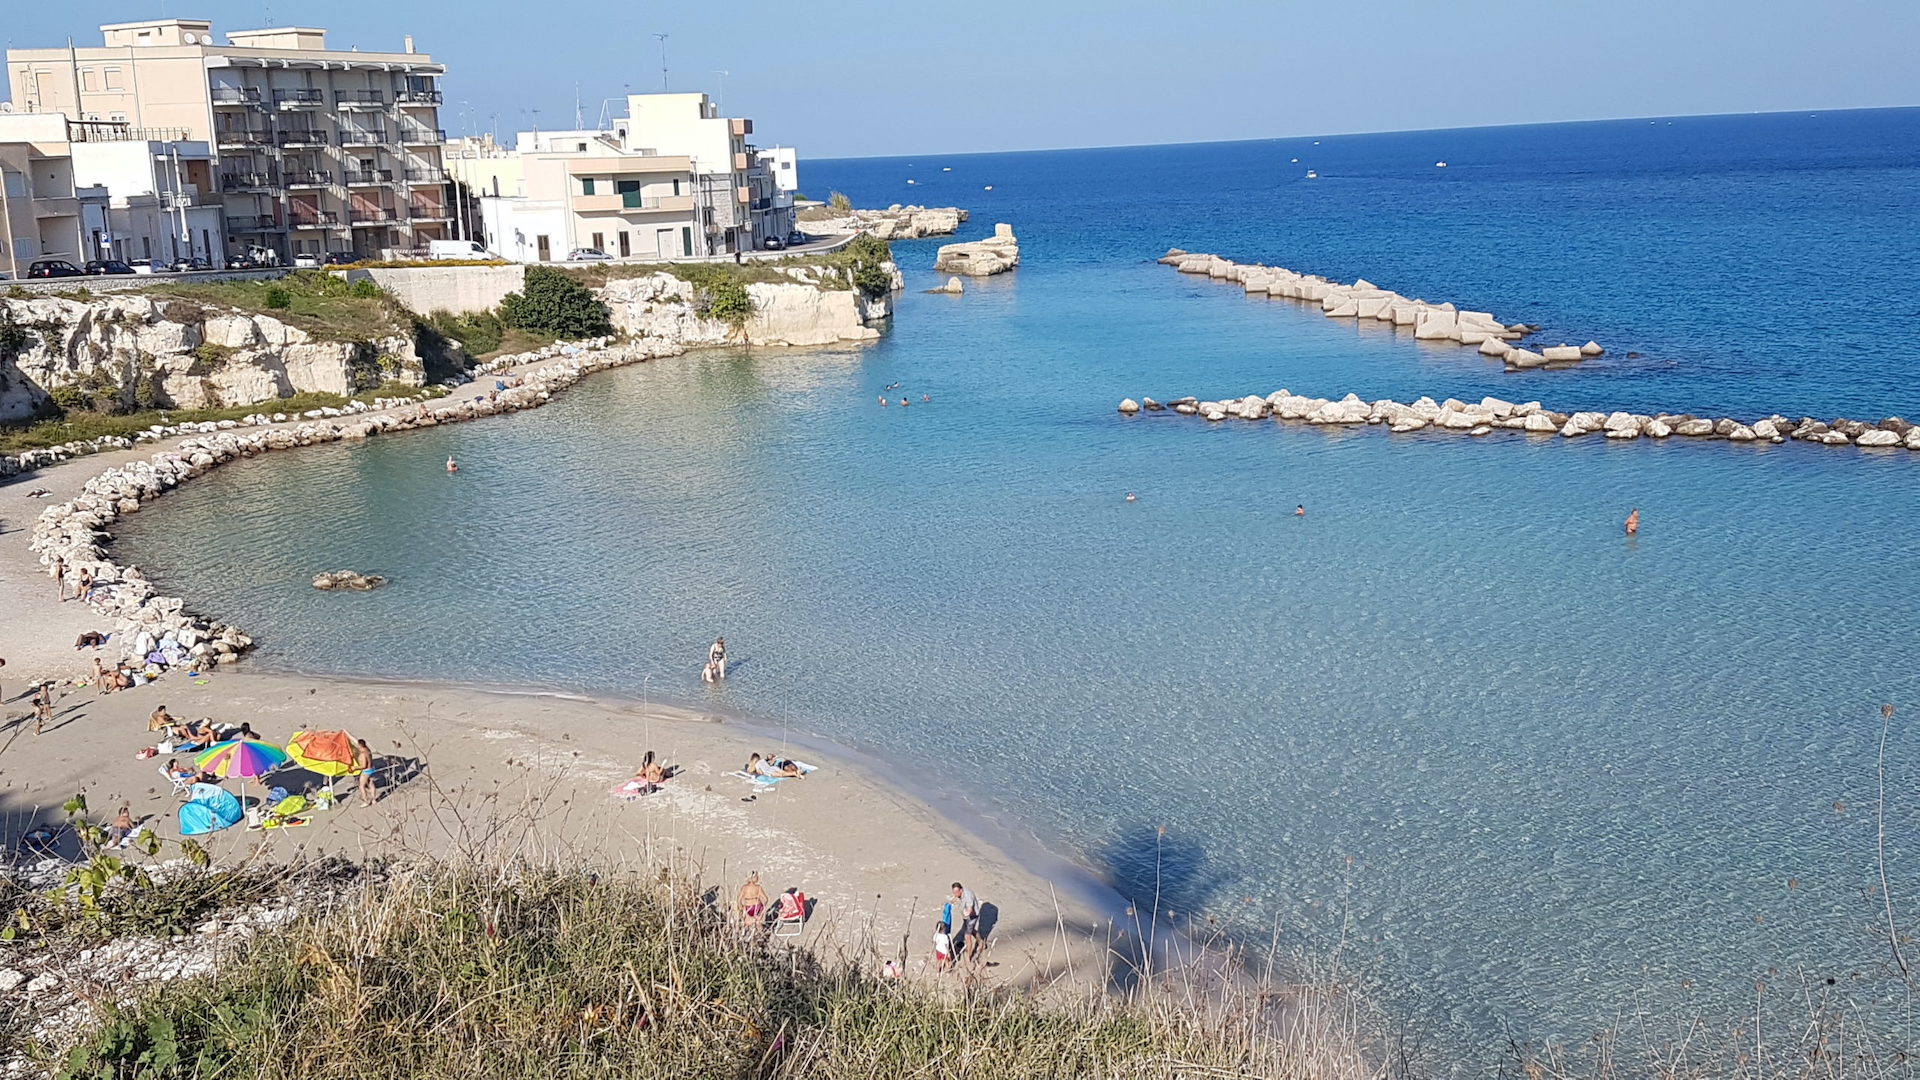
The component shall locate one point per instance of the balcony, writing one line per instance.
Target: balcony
(231, 182)
(426, 176)
(307, 137)
(373, 215)
(740, 127)
(427, 211)
(300, 99)
(309, 179)
(362, 136)
(741, 162)
(743, 195)
(632, 202)
(368, 177)
(360, 99)
(252, 223)
(236, 96)
(413, 136)
(416, 98)
(239, 137)
(56, 206)
(314, 219)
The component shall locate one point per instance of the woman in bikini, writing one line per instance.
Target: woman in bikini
(752, 903)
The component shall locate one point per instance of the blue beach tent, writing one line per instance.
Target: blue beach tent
(211, 809)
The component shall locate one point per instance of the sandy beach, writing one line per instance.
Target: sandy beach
(468, 771)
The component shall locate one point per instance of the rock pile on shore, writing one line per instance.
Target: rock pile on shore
(996, 254)
(71, 537)
(896, 222)
(1365, 300)
(1492, 413)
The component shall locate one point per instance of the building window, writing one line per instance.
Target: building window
(113, 79)
(586, 185)
(626, 245)
(599, 242)
(86, 80)
(686, 240)
(582, 147)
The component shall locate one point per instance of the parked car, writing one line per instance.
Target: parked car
(772, 243)
(341, 258)
(796, 238)
(148, 266)
(54, 268)
(587, 255)
(186, 264)
(108, 266)
(309, 260)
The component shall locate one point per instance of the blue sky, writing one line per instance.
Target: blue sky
(866, 78)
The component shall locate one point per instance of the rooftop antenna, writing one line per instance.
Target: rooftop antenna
(721, 102)
(579, 121)
(663, 62)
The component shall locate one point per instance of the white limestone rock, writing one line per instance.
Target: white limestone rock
(1557, 353)
(1877, 437)
(1591, 348)
(1129, 406)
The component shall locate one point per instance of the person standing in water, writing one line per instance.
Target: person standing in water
(452, 465)
(717, 657)
(1633, 522)
(1300, 511)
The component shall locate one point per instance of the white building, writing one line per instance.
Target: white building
(44, 213)
(160, 203)
(783, 164)
(673, 179)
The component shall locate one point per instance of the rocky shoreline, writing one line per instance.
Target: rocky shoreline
(1492, 413)
(896, 222)
(1365, 300)
(71, 538)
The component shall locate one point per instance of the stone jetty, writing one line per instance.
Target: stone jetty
(1429, 321)
(1490, 414)
(997, 254)
(71, 537)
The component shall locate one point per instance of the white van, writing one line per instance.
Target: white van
(455, 249)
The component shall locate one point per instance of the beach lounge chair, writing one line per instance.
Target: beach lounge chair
(789, 914)
(180, 785)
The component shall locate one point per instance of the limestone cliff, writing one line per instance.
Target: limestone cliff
(803, 312)
(155, 352)
(896, 222)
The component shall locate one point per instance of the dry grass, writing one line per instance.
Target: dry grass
(473, 971)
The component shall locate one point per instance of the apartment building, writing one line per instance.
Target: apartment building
(315, 149)
(44, 214)
(162, 199)
(672, 180)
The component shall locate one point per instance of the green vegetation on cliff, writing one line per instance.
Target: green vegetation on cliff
(552, 302)
(323, 305)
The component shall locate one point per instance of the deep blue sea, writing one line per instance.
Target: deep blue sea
(1526, 778)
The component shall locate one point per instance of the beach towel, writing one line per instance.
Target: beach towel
(758, 781)
(629, 789)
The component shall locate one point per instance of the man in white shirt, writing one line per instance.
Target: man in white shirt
(966, 931)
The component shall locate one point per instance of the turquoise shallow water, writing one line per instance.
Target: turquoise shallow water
(1522, 773)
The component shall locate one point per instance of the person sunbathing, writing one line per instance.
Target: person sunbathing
(646, 779)
(177, 771)
(779, 769)
(203, 732)
(160, 719)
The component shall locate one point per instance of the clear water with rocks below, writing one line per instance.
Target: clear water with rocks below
(1525, 775)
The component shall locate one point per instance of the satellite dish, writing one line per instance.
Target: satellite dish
(191, 39)
(6, 106)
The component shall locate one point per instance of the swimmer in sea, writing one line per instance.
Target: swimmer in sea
(904, 403)
(452, 466)
(1300, 511)
(1633, 522)
(924, 398)
(883, 401)
(1131, 497)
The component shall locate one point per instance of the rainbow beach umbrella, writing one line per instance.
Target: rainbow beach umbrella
(243, 758)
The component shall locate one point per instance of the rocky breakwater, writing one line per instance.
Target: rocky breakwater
(1362, 299)
(997, 254)
(896, 222)
(72, 537)
(817, 307)
(159, 352)
(1491, 414)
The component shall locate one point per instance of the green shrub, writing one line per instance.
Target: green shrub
(478, 334)
(364, 289)
(719, 292)
(211, 354)
(839, 201)
(279, 299)
(553, 303)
